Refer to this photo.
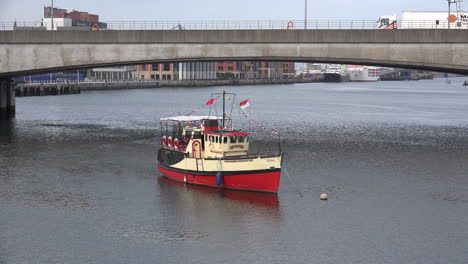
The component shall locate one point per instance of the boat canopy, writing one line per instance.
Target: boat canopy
(190, 118)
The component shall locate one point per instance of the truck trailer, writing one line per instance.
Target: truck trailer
(424, 19)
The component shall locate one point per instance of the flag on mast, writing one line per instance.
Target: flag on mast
(210, 102)
(244, 104)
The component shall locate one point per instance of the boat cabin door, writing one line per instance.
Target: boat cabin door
(196, 149)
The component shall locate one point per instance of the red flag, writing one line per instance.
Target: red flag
(210, 102)
(244, 104)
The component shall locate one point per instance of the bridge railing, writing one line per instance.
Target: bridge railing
(247, 24)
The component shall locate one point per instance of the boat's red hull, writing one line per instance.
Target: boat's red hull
(260, 182)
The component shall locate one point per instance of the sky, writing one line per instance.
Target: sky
(203, 10)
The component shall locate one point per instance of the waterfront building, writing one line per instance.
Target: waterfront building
(197, 70)
(315, 67)
(289, 70)
(70, 19)
(249, 70)
(157, 71)
(255, 70)
(111, 73)
(228, 70)
(238, 70)
(271, 70)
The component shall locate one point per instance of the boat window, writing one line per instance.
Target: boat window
(225, 140)
(233, 140)
(241, 139)
(217, 139)
(246, 138)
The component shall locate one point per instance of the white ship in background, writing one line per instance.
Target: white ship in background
(358, 73)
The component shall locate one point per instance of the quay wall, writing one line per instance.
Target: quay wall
(44, 89)
(185, 83)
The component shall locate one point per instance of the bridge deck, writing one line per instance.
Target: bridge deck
(235, 36)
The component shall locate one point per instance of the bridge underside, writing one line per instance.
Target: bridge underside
(25, 59)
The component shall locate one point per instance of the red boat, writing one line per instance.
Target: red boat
(204, 150)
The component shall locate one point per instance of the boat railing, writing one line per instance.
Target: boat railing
(181, 147)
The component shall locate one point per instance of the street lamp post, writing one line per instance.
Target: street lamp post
(448, 18)
(305, 14)
(52, 14)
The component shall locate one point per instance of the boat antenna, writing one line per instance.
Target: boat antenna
(224, 107)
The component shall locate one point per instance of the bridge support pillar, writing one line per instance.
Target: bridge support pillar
(7, 99)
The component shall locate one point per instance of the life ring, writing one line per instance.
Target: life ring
(290, 25)
(176, 143)
(170, 142)
(95, 27)
(164, 141)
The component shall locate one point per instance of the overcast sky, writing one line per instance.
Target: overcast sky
(115, 10)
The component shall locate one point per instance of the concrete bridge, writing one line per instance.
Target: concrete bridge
(29, 52)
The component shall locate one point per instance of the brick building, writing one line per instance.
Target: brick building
(255, 70)
(70, 19)
(289, 70)
(157, 71)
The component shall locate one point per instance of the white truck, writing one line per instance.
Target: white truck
(424, 19)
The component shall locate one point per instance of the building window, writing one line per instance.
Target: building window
(155, 67)
(157, 76)
(143, 67)
(142, 77)
(230, 68)
(220, 68)
(167, 67)
(152, 76)
(169, 77)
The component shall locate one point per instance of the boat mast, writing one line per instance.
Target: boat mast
(224, 106)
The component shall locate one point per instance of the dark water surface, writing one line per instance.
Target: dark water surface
(78, 182)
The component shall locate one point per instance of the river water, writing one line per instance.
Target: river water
(78, 182)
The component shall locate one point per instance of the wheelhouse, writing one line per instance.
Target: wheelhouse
(226, 143)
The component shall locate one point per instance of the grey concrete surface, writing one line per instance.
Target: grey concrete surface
(27, 52)
(7, 99)
(236, 36)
